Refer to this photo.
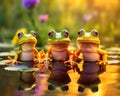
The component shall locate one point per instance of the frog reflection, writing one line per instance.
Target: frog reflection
(59, 53)
(95, 60)
(89, 77)
(26, 56)
(27, 80)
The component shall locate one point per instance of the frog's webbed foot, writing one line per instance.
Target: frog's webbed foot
(40, 61)
(12, 61)
(38, 65)
(42, 64)
(102, 62)
(42, 67)
(71, 64)
(102, 66)
(47, 60)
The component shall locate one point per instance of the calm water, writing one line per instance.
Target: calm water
(109, 86)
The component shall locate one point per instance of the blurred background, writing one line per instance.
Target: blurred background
(61, 14)
(42, 16)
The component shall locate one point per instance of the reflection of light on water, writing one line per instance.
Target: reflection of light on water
(41, 84)
(88, 92)
(40, 89)
(113, 56)
(107, 78)
(73, 86)
(106, 87)
(3, 62)
(113, 61)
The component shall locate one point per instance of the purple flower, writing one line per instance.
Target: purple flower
(43, 18)
(30, 3)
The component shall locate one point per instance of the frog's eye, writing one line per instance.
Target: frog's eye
(20, 34)
(65, 33)
(95, 33)
(50, 34)
(33, 33)
(80, 32)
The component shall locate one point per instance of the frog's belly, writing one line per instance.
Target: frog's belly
(91, 56)
(60, 55)
(27, 56)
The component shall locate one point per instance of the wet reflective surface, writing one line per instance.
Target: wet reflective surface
(109, 86)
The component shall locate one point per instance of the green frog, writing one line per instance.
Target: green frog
(94, 60)
(58, 54)
(27, 56)
(28, 52)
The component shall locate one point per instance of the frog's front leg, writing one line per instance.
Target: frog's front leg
(71, 61)
(48, 56)
(15, 60)
(12, 61)
(48, 59)
(44, 61)
(103, 60)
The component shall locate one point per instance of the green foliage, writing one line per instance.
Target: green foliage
(63, 14)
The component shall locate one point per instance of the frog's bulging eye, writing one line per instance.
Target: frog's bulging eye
(80, 32)
(20, 34)
(66, 33)
(95, 33)
(34, 33)
(50, 34)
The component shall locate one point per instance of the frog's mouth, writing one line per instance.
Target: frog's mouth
(59, 43)
(27, 41)
(89, 41)
(58, 46)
